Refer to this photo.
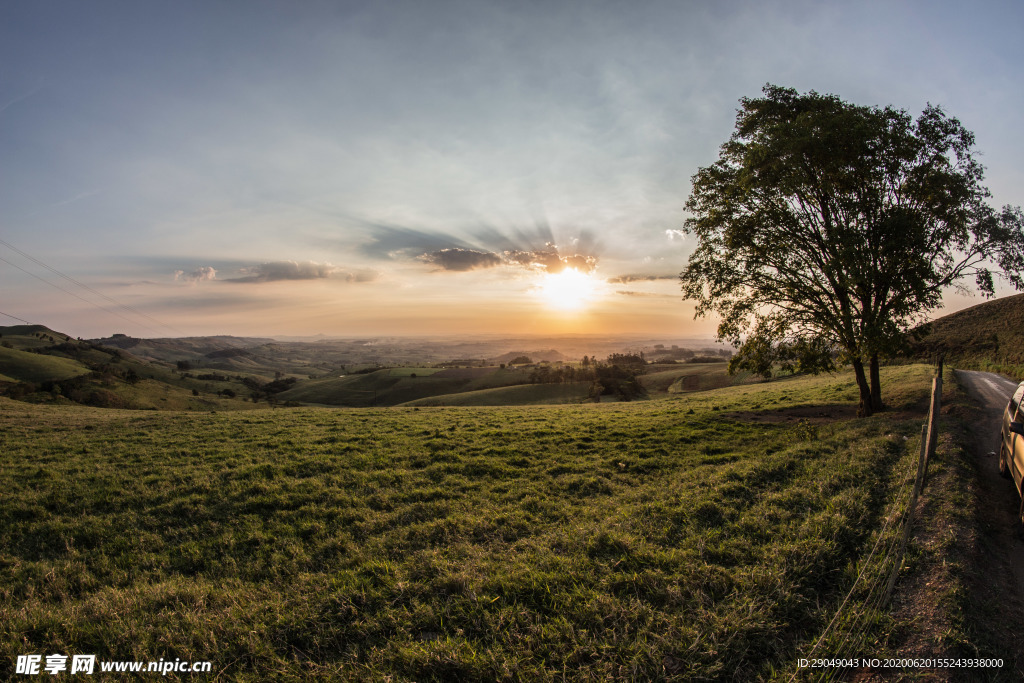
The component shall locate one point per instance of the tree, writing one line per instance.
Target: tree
(825, 230)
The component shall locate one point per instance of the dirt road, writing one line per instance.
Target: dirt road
(999, 500)
(992, 390)
(1000, 556)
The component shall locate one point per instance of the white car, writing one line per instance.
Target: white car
(1011, 442)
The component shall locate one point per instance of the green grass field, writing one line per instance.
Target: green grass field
(706, 536)
(519, 395)
(688, 377)
(23, 366)
(402, 385)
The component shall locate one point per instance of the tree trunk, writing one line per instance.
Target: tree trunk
(864, 410)
(876, 385)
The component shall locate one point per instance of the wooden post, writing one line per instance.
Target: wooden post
(933, 424)
(918, 483)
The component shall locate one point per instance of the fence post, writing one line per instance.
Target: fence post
(933, 424)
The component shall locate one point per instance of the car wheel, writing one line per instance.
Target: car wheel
(1004, 467)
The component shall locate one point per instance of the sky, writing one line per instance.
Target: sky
(423, 168)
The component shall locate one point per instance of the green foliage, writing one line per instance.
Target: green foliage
(662, 540)
(825, 230)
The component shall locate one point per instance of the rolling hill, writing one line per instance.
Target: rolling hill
(24, 366)
(40, 365)
(991, 333)
(521, 395)
(394, 386)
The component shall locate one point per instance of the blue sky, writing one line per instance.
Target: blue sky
(390, 167)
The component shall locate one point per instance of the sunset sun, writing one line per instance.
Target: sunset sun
(569, 289)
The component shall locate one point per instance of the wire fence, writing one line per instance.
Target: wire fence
(865, 604)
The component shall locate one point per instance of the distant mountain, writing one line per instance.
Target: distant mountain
(992, 331)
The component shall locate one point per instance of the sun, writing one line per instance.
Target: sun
(569, 289)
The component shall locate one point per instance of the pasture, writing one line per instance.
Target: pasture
(708, 535)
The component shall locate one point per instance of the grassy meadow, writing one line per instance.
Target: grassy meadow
(696, 536)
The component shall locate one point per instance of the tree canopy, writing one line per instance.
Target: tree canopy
(825, 230)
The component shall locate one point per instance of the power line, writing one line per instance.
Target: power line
(16, 318)
(86, 287)
(130, 309)
(91, 303)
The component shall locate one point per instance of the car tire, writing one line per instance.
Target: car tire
(1004, 467)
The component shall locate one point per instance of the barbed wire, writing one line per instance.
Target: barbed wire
(853, 618)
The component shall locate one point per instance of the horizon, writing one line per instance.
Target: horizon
(387, 169)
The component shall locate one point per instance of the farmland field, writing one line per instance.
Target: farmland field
(708, 535)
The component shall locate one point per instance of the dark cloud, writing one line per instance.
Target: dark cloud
(626, 279)
(274, 271)
(488, 247)
(462, 259)
(284, 270)
(390, 241)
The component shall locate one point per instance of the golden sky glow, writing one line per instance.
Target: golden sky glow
(355, 169)
(570, 290)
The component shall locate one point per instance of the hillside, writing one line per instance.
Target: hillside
(521, 395)
(393, 386)
(24, 366)
(40, 365)
(706, 536)
(991, 332)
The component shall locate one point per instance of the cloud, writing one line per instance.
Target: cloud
(673, 234)
(273, 271)
(284, 270)
(196, 276)
(627, 292)
(626, 279)
(461, 260)
(531, 247)
(390, 241)
(550, 260)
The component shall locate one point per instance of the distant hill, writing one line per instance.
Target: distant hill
(550, 355)
(184, 348)
(520, 395)
(991, 332)
(40, 365)
(393, 386)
